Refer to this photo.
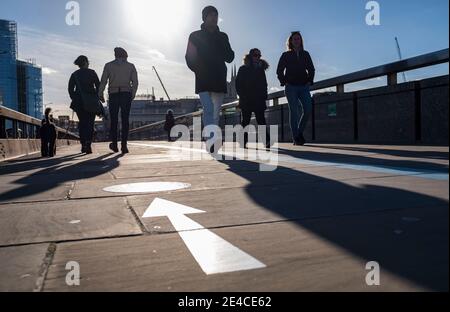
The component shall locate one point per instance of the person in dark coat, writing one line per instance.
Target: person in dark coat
(296, 72)
(83, 80)
(207, 52)
(251, 86)
(169, 124)
(48, 135)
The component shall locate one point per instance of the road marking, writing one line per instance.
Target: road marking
(147, 187)
(214, 254)
(402, 171)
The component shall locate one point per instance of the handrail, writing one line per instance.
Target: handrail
(390, 70)
(7, 113)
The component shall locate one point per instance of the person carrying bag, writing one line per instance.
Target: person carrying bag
(83, 90)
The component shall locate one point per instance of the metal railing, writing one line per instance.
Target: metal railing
(390, 70)
(15, 125)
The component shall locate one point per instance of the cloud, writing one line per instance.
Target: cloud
(48, 71)
(56, 53)
(156, 54)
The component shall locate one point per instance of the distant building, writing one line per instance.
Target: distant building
(8, 57)
(145, 111)
(231, 95)
(20, 81)
(29, 88)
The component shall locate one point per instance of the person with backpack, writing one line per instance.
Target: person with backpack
(207, 52)
(83, 90)
(296, 73)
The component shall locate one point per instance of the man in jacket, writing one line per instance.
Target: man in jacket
(123, 85)
(208, 50)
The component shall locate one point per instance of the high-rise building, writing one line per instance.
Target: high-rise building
(20, 81)
(29, 88)
(8, 58)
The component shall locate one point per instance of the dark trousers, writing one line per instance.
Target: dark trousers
(48, 141)
(86, 127)
(120, 101)
(260, 119)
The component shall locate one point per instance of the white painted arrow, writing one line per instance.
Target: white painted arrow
(214, 254)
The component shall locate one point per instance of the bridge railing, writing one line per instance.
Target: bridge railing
(15, 125)
(390, 71)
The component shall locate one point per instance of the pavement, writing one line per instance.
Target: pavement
(181, 221)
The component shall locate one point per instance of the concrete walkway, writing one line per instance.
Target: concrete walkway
(310, 225)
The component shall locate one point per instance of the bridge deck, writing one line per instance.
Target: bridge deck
(313, 223)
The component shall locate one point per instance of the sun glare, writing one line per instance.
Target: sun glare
(156, 18)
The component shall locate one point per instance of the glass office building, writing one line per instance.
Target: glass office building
(29, 88)
(8, 64)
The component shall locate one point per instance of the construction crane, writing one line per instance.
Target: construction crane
(400, 57)
(159, 78)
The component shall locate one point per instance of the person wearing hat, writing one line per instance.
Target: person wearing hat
(123, 83)
(251, 86)
(207, 52)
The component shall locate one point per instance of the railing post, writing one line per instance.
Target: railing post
(14, 129)
(2, 128)
(276, 102)
(392, 79)
(340, 88)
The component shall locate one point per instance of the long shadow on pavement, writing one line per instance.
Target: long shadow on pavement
(362, 219)
(364, 160)
(54, 173)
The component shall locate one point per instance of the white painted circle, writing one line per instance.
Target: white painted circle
(147, 187)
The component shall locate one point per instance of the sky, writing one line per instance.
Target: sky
(155, 33)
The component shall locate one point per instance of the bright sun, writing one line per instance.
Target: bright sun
(156, 18)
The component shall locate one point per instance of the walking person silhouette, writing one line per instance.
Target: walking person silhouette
(123, 83)
(83, 90)
(251, 86)
(207, 52)
(48, 135)
(296, 73)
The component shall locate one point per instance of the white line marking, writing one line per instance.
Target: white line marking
(147, 187)
(214, 254)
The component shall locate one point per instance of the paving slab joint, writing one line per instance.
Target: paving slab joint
(45, 267)
(136, 217)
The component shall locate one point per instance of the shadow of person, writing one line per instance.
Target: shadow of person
(30, 164)
(362, 219)
(423, 153)
(352, 159)
(57, 174)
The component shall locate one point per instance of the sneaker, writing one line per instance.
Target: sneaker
(113, 147)
(125, 150)
(300, 140)
(88, 150)
(83, 149)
